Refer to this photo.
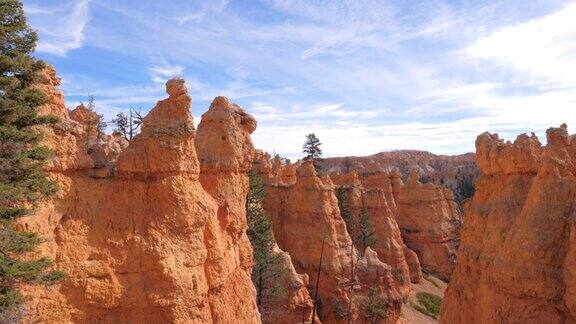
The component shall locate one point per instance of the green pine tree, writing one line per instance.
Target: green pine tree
(312, 150)
(366, 236)
(268, 266)
(22, 179)
(345, 212)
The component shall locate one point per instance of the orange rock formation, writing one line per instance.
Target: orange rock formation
(373, 191)
(430, 224)
(517, 258)
(65, 137)
(454, 172)
(160, 240)
(306, 219)
(293, 303)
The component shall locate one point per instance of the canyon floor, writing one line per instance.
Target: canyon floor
(431, 285)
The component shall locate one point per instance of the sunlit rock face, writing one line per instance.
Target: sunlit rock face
(517, 258)
(66, 138)
(161, 239)
(294, 302)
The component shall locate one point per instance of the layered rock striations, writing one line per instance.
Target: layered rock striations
(430, 224)
(161, 239)
(307, 224)
(517, 257)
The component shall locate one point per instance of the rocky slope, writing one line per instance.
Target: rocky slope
(517, 258)
(161, 236)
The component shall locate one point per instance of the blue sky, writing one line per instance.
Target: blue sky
(365, 76)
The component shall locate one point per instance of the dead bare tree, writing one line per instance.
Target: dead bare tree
(318, 281)
(128, 125)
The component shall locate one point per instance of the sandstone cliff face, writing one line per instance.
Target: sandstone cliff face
(89, 121)
(65, 137)
(380, 203)
(306, 219)
(372, 190)
(430, 224)
(293, 303)
(517, 258)
(274, 171)
(154, 242)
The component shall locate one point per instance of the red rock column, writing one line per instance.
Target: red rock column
(516, 262)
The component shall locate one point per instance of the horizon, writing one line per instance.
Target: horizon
(364, 77)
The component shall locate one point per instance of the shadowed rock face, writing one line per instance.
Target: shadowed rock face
(294, 303)
(305, 217)
(517, 258)
(372, 190)
(430, 224)
(154, 243)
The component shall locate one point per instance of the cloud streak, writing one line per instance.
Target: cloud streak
(62, 26)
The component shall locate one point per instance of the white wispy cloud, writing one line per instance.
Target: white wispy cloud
(62, 27)
(543, 48)
(205, 9)
(163, 71)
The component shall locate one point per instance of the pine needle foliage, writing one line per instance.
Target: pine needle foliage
(345, 212)
(22, 179)
(312, 150)
(365, 234)
(268, 266)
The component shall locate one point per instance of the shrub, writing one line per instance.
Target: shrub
(428, 304)
(375, 307)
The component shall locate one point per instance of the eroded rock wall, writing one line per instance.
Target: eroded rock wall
(306, 220)
(430, 224)
(517, 257)
(292, 302)
(372, 191)
(161, 239)
(380, 203)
